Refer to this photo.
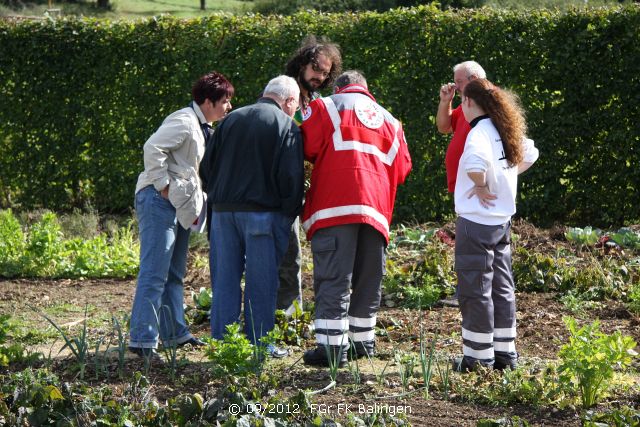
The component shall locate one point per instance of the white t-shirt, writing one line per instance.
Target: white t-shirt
(483, 152)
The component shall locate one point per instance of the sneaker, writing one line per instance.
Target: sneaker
(277, 352)
(147, 353)
(194, 342)
(318, 356)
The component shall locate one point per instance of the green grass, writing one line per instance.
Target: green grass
(65, 308)
(180, 8)
(131, 9)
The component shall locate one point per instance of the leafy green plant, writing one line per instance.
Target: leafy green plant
(200, 311)
(12, 244)
(293, 329)
(43, 251)
(591, 358)
(9, 353)
(578, 303)
(44, 248)
(627, 238)
(409, 236)
(586, 236)
(234, 354)
(595, 278)
(536, 272)
(623, 416)
(633, 298)
(423, 283)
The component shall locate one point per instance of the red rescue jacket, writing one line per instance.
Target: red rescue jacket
(360, 156)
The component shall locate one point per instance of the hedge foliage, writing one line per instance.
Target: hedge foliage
(78, 98)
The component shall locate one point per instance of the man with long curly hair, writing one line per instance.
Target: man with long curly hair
(314, 66)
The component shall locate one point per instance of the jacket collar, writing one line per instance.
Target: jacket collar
(355, 88)
(199, 113)
(267, 100)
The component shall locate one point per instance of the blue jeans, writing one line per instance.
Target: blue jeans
(253, 243)
(158, 303)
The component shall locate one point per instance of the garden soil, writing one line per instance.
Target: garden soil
(541, 332)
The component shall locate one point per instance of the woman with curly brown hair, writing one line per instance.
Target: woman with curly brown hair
(495, 152)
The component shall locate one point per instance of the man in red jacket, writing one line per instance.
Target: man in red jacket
(360, 156)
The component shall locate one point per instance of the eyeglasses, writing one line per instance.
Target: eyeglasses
(316, 67)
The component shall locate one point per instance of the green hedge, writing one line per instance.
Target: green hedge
(78, 98)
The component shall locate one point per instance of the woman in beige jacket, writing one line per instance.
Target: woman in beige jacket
(169, 199)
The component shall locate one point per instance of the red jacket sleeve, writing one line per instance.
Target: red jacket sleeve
(404, 159)
(315, 126)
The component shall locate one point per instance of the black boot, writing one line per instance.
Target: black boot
(505, 361)
(362, 349)
(319, 356)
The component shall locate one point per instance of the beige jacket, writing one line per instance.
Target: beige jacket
(172, 157)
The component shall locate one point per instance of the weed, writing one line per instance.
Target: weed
(589, 359)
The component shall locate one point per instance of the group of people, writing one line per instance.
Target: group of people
(247, 180)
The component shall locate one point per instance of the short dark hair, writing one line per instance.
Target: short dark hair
(308, 53)
(213, 86)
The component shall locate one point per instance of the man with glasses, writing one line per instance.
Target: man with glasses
(314, 66)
